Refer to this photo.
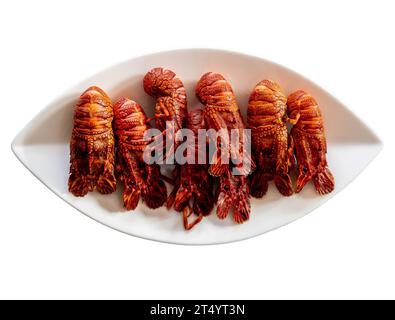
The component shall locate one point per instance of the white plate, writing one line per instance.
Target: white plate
(43, 146)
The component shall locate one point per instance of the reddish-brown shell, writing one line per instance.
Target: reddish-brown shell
(222, 112)
(168, 89)
(171, 106)
(92, 145)
(266, 117)
(130, 122)
(193, 190)
(139, 178)
(310, 142)
(93, 113)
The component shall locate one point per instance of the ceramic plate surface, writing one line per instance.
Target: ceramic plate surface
(43, 146)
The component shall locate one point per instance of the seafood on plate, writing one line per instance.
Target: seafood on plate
(170, 116)
(193, 190)
(310, 145)
(140, 179)
(92, 151)
(112, 142)
(272, 148)
(170, 109)
(222, 114)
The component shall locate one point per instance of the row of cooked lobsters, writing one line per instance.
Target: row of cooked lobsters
(97, 159)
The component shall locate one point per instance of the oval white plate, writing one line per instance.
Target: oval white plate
(43, 146)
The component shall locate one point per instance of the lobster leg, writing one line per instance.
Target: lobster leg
(304, 170)
(131, 195)
(78, 179)
(133, 181)
(216, 122)
(282, 179)
(242, 209)
(107, 183)
(176, 186)
(323, 180)
(259, 179)
(291, 156)
(158, 148)
(186, 213)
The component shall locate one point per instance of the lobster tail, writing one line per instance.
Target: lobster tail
(92, 145)
(160, 82)
(214, 89)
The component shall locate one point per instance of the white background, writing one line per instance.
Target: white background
(345, 249)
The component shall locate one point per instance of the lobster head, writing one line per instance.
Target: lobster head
(233, 195)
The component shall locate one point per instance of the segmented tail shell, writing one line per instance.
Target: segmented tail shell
(160, 82)
(267, 105)
(214, 89)
(130, 121)
(93, 112)
(302, 103)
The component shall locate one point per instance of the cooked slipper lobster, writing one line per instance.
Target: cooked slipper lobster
(170, 115)
(310, 142)
(171, 105)
(139, 178)
(222, 112)
(92, 145)
(193, 184)
(272, 150)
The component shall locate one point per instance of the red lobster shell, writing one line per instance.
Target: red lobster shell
(171, 103)
(170, 112)
(193, 184)
(138, 177)
(222, 112)
(310, 142)
(272, 152)
(92, 145)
